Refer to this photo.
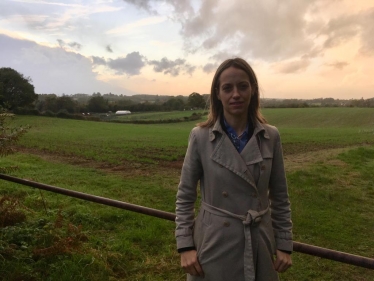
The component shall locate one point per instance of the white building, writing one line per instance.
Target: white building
(123, 112)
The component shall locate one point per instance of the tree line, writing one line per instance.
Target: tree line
(17, 94)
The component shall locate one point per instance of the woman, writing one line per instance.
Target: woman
(245, 217)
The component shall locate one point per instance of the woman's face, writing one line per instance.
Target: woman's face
(234, 91)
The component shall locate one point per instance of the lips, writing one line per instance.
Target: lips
(236, 103)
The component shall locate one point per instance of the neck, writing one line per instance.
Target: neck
(239, 124)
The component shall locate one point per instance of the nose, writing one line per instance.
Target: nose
(235, 92)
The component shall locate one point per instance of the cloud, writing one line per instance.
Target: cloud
(180, 7)
(53, 70)
(109, 49)
(338, 65)
(172, 67)
(61, 43)
(210, 67)
(129, 27)
(131, 64)
(268, 30)
(294, 66)
(340, 30)
(75, 45)
(143, 5)
(98, 60)
(367, 32)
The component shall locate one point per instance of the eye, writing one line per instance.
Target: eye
(227, 88)
(244, 86)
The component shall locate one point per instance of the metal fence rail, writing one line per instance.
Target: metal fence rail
(297, 246)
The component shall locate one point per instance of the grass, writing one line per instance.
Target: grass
(331, 196)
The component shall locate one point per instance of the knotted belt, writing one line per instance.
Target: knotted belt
(251, 218)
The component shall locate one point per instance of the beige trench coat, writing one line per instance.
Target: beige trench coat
(231, 184)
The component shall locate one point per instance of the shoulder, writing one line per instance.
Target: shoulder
(199, 132)
(271, 131)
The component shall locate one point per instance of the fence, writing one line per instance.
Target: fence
(297, 246)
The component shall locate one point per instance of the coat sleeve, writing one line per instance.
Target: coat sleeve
(187, 193)
(279, 201)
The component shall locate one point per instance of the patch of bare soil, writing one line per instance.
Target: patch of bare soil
(295, 158)
(301, 160)
(125, 168)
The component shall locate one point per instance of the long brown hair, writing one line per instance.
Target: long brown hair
(216, 107)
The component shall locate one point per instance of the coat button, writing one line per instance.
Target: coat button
(263, 167)
(226, 224)
(225, 194)
(254, 195)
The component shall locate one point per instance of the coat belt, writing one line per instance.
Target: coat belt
(251, 218)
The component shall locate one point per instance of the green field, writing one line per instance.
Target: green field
(329, 156)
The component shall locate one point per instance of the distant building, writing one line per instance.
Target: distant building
(123, 112)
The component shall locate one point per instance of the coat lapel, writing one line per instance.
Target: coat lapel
(227, 156)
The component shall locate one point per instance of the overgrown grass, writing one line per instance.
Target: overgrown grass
(120, 244)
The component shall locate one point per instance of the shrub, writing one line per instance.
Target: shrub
(9, 136)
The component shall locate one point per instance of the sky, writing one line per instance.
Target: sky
(300, 49)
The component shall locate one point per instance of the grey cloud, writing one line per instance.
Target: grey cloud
(75, 45)
(189, 69)
(98, 60)
(181, 7)
(367, 34)
(265, 29)
(209, 67)
(109, 49)
(338, 65)
(61, 43)
(131, 64)
(142, 4)
(346, 27)
(53, 70)
(292, 66)
(341, 29)
(172, 67)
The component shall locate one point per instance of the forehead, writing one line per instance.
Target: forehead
(233, 75)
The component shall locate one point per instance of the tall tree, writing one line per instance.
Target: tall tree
(195, 100)
(15, 89)
(174, 104)
(67, 103)
(97, 103)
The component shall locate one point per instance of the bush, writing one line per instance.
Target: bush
(49, 113)
(26, 111)
(64, 114)
(10, 135)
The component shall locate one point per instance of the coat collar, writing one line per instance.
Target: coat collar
(227, 156)
(217, 128)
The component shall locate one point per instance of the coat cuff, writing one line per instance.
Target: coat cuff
(283, 240)
(185, 242)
